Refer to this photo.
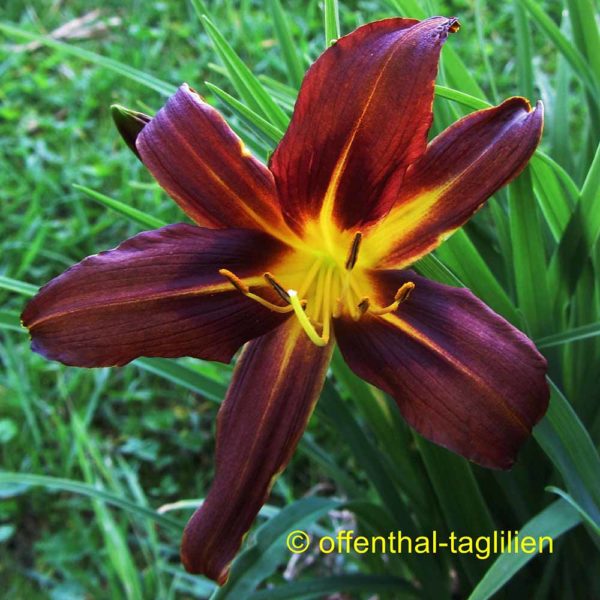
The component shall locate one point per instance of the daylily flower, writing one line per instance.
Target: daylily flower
(311, 251)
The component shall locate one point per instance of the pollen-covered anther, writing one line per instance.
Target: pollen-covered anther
(363, 307)
(235, 281)
(240, 286)
(401, 296)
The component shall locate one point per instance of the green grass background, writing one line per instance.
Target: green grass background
(88, 456)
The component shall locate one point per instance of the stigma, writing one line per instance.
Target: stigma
(319, 286)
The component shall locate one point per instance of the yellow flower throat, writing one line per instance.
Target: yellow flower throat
(323, 278)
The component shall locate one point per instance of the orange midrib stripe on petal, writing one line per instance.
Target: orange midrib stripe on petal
(407, 216)
(329, 198)
(290, 345)
(201, 291)
(428, 343)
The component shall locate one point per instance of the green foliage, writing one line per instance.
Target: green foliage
(94, 463)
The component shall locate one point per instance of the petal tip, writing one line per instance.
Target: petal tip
(453, 25)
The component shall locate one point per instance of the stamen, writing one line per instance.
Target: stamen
(404, 292)
(240, 286)
(353, 253)
(309, 277)
(305, 323)
(401, 296)
(235, 281)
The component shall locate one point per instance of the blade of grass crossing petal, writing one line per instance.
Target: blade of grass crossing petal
(529, 257)
(130, 212)
(289, 49)
(564, 46)
(350, 583)
(460, 498)
(567, 443)
(331, 16)
(247, 85)
(253, 119)
(162, 87)
(570, 335)
(260, 559)
(552, 522)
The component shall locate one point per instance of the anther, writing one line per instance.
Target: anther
(353, 253)
(404, 292)
(363, 307)
(240, 286)
(401, 296)
(277, 287)
(235, 281)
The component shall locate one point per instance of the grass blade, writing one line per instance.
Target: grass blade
(271, 132)
(162, 87)
(14, 285)
(553, 521)
(85, 489)
(245, 82)
(291, 57)
(330, 586)
(564, 46)
(331, 15)
(260, 559)
(130, 212)
(570, 335)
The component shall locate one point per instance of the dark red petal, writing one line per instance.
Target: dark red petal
(275, 386)
(204, 166)
(462, 376)
(157, 294)
(461, 169)
(363, 114)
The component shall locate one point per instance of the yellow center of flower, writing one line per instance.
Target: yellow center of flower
(324, 278)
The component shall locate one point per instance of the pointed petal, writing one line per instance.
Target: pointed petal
(462, 376)
(130, 124)
(461, 169)
(157, 294)
(275, 386)
(362, 115)
(204, 166)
